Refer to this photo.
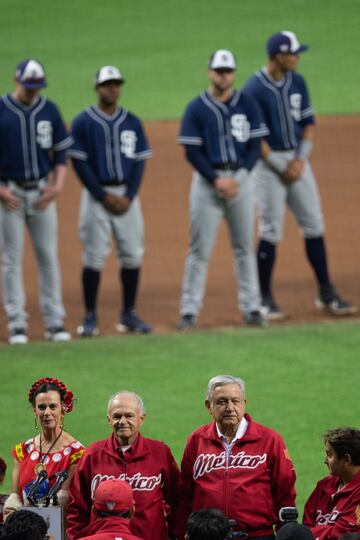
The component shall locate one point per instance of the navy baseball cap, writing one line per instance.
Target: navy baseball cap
(31, 74)
(286, 43)
(222, 59)
(108, 73)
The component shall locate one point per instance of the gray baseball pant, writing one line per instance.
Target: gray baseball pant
(272, 195)
(42, 226)
(97, 226)
(206, 211)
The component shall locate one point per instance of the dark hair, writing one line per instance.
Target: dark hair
(46, 384)
(124, 514)
(350, 536)
(294, 531)
(208, 524)
(345, 441)
(3, 467)
(25, 525)
(43, 388)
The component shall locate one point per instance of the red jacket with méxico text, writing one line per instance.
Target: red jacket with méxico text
(150, 469)
(249, 485)
(330, 511)
(109, 528)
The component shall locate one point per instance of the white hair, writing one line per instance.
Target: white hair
(127, 393)
(222, 380)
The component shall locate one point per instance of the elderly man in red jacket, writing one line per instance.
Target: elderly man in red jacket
(236, 465)
(146, 464)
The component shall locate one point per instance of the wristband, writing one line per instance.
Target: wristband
(305, 149)
(276, 162)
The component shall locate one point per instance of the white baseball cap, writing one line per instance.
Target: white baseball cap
(222, 59)
(31, 74)
(108, 73)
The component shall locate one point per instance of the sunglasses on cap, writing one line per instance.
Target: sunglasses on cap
(221, 71)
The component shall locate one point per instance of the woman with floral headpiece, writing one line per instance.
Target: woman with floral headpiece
(50, 452)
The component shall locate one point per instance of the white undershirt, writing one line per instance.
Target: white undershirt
(240, 432)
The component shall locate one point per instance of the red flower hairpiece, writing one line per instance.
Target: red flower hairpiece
(67, 401)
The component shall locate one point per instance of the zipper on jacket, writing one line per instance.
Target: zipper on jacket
(227, 449)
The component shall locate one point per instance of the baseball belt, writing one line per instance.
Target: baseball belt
(27, 185)
(231, 166)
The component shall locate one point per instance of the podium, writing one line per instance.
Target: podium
(54, 517)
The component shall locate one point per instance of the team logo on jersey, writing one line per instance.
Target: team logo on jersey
(137, 482)
(44, 133)
(205, 463)
(325, 519)
(295, 105)
(240, 127)
(128, 143)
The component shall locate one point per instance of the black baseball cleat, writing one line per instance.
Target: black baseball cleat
(330, 301)
(270, 310)
(255, 318)
(18, 336)
(187, 322)
(130, 322)
(57, 334)
(89, 326)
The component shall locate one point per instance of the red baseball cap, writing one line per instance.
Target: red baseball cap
(114, 496)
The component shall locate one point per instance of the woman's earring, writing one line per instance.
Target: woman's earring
(36, 424)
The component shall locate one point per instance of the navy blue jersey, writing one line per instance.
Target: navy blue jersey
(224, 131)
(32, 138)
(111, 145)
(285, 107)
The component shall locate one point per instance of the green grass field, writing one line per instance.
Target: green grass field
(163, 47)
(300, 380)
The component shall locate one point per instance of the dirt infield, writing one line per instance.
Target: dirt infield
(164, 195)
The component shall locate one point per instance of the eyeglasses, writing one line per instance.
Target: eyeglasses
(221, 71)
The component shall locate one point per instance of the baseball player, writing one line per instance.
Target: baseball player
(108, 155)
(32, 173)
(284, 175)
(221, 133)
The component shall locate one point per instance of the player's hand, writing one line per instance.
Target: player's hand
(226, 187)
(293, 170)
(48, 195)
(8, 199)
(116, 205)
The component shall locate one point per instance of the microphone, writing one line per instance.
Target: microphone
(41, 476)
(60, 478)
(288, 514)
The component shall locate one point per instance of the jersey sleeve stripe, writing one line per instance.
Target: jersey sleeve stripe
(190, 140)
(78, 154)
(62, 145)
(307, 112)
(260, 132)
(146, 154)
